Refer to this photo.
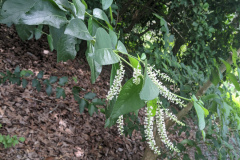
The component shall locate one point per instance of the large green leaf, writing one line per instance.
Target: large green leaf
(77, 28)
(234, 80)
(95, 68)
(121, 48)
(80, 9)
(128, 99)
(100, 14)
(44, 12)
(92, 26)
(66, 48)
(113, 37)
(12, 10)
(200, 114)
(56, 34)
(103, 53)
(106, 4)
(149, 91)
(25, 32)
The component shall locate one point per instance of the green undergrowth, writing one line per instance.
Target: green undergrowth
(23, 77)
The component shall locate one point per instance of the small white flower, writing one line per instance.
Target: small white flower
(136, 76)
(162, 130)
(148, 125)
(173, 117)
(120, 125)
(116, 87)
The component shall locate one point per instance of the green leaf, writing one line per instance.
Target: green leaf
(56, 34)
(106, 4)
(200, 114)
(17, 70)
(228, 66)
(188, 141)
(114, 69)
(153, 104)
(82, 105)
(113, 37)
(24, 83)
(92, 26)
(234, 80)
(128, 99)
(85, 4)
(50, 42)
(49, 90)
(98, 13)
(104, 54)
(26, 73)
(36, 83)
(135, 63)
(38, 32)
(25, 32)
(143, 56)
(75, 79)
(91, 109)
(60, 92)
(63, 81)
(40, 75)
(149, 90)
(77, 28)
(12, 10)
(66, 48)
(44, 12)
(234, 56)
(121, 48)
(209, 96)
(214, 77)
(95, 68)
(80, 8)
(89, 95)
(62, 4)
(21, 139)
(97, 101)
(53, 79)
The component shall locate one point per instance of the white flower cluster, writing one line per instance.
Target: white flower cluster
(173, 117)
(162, 130)
(114, 91)
(164, 76)
(163, 89)
(116, 87)
(148, 125)
(136, 76)
(120, 125)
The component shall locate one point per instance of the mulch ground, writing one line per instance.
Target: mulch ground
(54, 128)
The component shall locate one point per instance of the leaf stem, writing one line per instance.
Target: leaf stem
(183, 98)
(96, 20)
(125, 61)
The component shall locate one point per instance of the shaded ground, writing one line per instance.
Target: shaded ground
(54, 129)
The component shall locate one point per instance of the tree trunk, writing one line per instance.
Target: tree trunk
(149, 154)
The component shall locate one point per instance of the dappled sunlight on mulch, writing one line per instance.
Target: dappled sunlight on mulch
(54, 128)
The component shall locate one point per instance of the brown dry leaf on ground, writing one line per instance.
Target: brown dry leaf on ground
(54, 129)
